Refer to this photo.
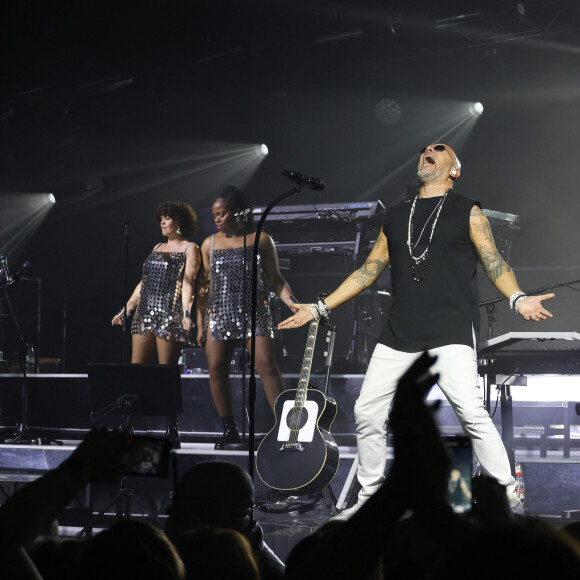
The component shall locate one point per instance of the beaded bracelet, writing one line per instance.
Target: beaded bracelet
(514, 297)
(322, 308)
(187, 314)
(314, 311)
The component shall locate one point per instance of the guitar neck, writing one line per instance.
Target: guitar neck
(306, 364)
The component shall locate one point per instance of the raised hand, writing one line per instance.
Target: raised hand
(302, 315)
(419, 447)
(531, 307)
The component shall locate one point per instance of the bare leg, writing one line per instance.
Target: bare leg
(219, 360)
(168, 351)
(267, 368)
(143, 348)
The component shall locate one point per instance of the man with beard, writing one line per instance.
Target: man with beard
(432, 244)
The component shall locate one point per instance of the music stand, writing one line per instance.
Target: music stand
(157, 389)
(126, 390)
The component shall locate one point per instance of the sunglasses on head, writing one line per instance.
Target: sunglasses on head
(436, 147)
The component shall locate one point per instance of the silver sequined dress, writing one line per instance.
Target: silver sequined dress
(230, 298)
(159, 311)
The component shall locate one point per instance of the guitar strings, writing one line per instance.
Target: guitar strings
(297, 410)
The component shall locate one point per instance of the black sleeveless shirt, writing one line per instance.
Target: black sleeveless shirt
(443, 308)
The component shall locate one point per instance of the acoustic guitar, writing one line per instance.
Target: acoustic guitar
(299, 454)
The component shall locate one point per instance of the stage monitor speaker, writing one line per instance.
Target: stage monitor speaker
(157, 387)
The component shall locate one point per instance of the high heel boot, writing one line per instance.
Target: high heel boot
(172, 432)
(230, 434)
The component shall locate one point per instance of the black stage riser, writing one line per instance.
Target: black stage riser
(61, 402)
(551, 486)
(57, 402)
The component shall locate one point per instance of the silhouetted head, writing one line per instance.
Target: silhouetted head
(213, 493)
(211, 553)
(129, 550)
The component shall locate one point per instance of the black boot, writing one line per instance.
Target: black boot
(172, 432)
(230, 434)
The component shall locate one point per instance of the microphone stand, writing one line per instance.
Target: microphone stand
(22, 435)
(254, 302)
(126, 225)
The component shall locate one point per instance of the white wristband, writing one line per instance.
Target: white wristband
(514, 297)
(314, 311)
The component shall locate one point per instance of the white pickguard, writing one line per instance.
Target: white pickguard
(306, 434)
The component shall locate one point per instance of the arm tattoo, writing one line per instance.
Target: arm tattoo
(495, 266)
(369, 272)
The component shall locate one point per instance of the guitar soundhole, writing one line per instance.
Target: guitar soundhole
(297, 418)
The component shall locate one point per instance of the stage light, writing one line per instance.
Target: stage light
(264, 149)
(388, 111)
(476, 109)
(51, 198)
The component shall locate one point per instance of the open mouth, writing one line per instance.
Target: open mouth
(428, 160)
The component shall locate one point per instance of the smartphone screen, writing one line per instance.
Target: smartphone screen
(144, 456)
(459, 492)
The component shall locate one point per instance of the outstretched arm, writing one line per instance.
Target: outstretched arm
(498, 270)
(357, 282)
(31, 510)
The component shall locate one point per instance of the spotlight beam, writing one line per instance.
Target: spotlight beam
(464, 124)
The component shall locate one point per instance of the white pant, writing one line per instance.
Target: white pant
(457, 366)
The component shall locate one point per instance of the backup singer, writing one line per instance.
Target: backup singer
(163, 300)
(432, 244)
(224, 303)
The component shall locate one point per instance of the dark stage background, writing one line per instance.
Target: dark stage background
(115, 107)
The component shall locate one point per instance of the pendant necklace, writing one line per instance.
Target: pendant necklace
(423, 258)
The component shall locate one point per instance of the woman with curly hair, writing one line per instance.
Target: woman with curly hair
(163, 300)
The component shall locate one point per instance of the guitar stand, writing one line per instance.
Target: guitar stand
(125, 404)
(122, 502)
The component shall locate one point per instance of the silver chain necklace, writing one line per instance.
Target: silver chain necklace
(416, 260)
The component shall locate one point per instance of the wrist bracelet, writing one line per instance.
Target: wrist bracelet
(514, 297)
(314, 311)
(322, 308)
(187, 314)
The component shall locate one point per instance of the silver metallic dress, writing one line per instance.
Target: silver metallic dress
(159, 311)
(230, 296)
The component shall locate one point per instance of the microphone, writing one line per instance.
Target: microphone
(19, 273)
(314, 183)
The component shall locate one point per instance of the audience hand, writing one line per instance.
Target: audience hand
(422, 461)
(93, 458)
